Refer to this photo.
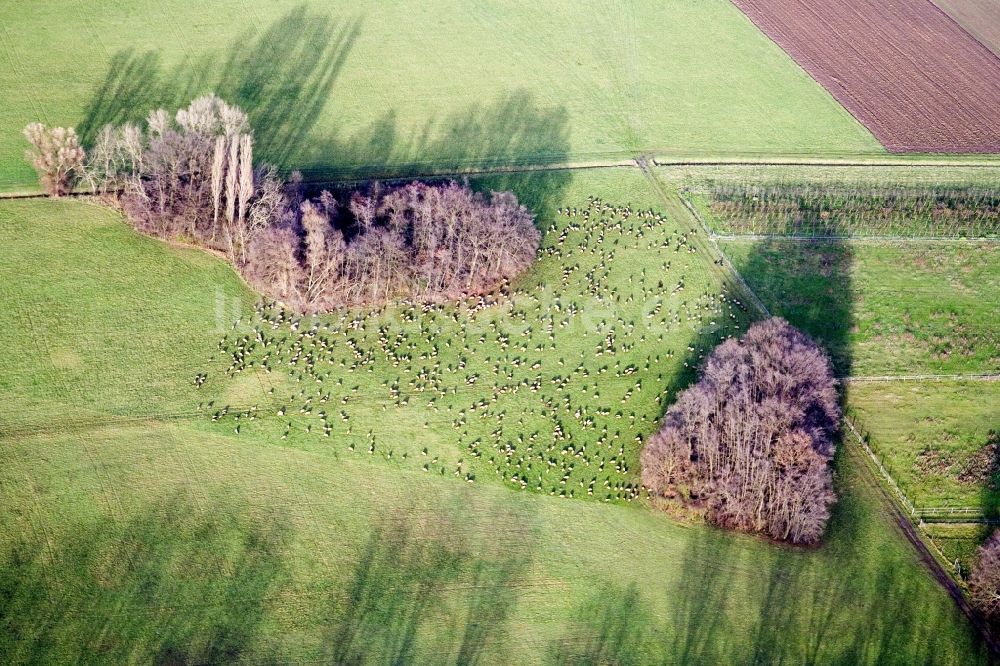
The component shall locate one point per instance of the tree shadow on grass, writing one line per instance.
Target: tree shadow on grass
(832, 605)
(807, 283)
(285, 77)
(615, 626)
(426, 592)
(282, 77)
(481, 137)
(172, 585)
(511, 131)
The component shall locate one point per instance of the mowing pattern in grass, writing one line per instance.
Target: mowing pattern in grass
(382, 86)
(551, 385)
(824, 210)
(918, 308)
(940, 440)
(175, 540)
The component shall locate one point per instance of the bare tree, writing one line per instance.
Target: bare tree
(269, 205)
(751, 443)
(273, 265)
(218, 170)
(428, 242)
(56, 155)
(984, 583)
(246, 182)
(232, 172)
(191, 175)
(324, 255)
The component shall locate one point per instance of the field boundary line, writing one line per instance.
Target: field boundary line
(933, 514)
(981, 377)
(856, 239)
(620, 160)
(391, 179)
(943, 160)
(924, 553)
(886, 476)
(722, 259)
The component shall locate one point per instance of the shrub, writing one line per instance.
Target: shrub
(751, 443)
(56, 155)
(984, 583)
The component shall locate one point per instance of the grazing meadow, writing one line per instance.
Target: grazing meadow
(189, 474)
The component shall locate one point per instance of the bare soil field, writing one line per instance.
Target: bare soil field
(980, 17)
(904, 68)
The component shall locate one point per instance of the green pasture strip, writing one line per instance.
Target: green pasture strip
(103, 320)
(937, 439)
(883, 308)
(140, 544)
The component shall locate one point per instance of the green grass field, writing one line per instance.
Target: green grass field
(134, 527)
(884, 308)
(958, 542)
(937, 438)
(383, 87)
(925, 171)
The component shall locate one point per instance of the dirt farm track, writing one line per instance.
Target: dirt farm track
(904, 68)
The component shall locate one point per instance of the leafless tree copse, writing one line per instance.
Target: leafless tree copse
(113, 159)
(246, 184)
(218, 169)
(751, 443)
(192, 177)
(56, 155)
(984, 583)
(424, 242)
(189, 176)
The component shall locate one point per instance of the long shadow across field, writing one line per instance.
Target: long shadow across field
(781, 605)
(614, 627)
(282, 77)
(809, 284)
(423, 592)
(171, 585)
(285, 76)
(804, 607)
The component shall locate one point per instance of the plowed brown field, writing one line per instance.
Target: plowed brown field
(904, 68)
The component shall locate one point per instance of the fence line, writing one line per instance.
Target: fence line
(942, 514)
(981, 377)
(886, 476)
(855, 239)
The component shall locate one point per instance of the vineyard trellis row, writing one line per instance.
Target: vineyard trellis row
(812, 209)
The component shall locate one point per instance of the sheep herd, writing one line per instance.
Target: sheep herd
(550, 384)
